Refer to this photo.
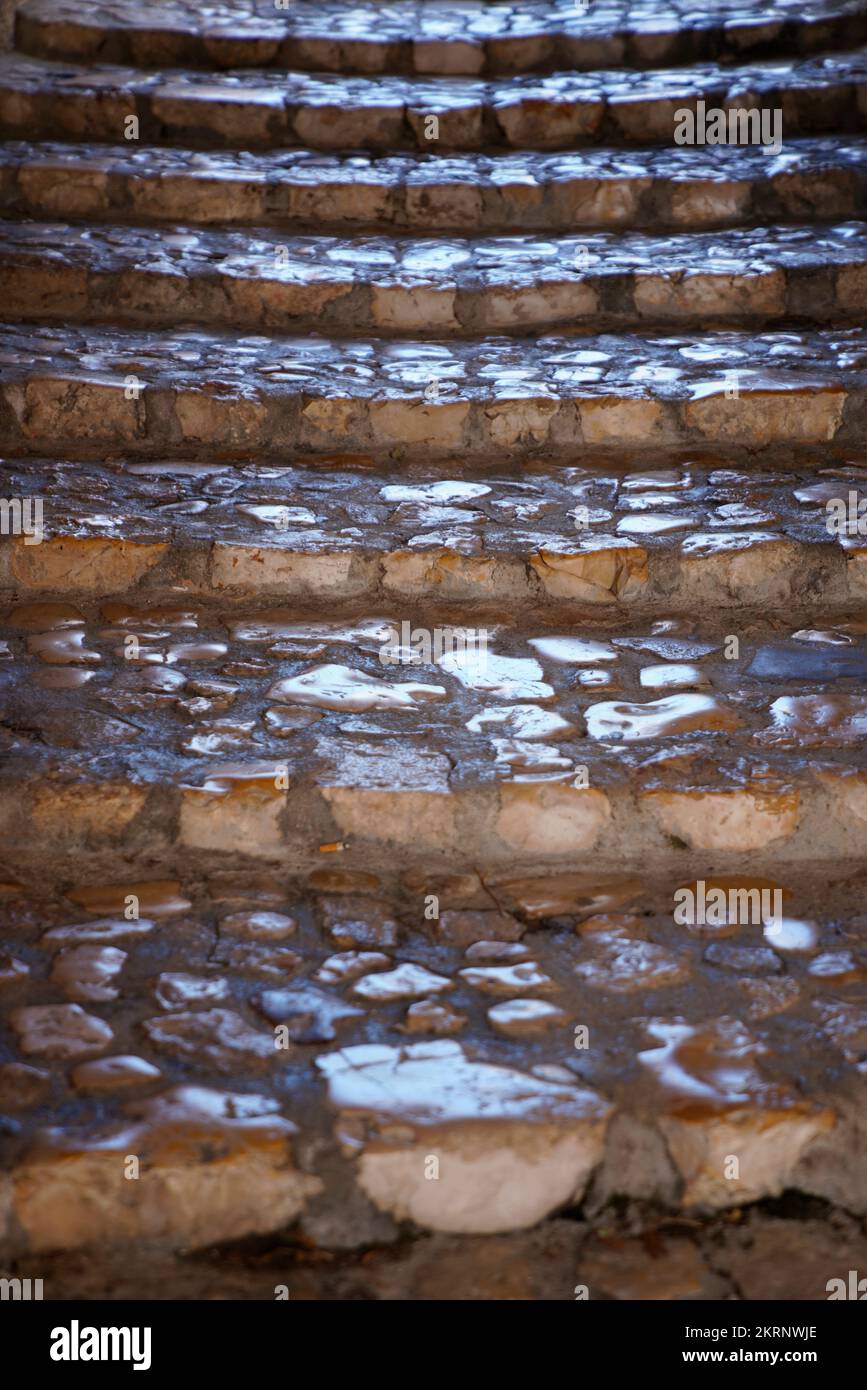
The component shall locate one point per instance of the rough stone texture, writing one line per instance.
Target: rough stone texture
(456, 1145)
(213, 1167)
(416, 1127)
(454, 39)
(462, 193)
(441, 286)
(8, 10)
(248, 724)
(79, 389)
(40, 98)
(432, 552)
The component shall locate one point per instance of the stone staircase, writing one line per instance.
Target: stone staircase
(338, 336)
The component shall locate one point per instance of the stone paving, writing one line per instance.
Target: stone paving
(678, 187)
(432, 651)
(321, 112)
(456, 1038)
(460, 286)
(505, 748)
(450, 38)
(338, 529)
(146, 393)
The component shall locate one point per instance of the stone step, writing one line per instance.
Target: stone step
(91, 390)
(762, 1254)
(381, 285)
(686, 538)
(281, 495)
(233, 1052)
(155, 730)
(331, 112)
(453, 38)
(686, 188)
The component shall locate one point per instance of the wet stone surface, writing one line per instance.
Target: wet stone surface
(252, 731)
(691, 188)
(242, 109)
(143, 393)
(456, 286)
(457, 37)
(337, 528)
(325, 1050)
(304, 886)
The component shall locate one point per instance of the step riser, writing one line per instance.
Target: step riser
(63, 1192)
(397, 193)
(687, 534)
(551, 823)
(293, 749)
(151, 395)
(781, 572)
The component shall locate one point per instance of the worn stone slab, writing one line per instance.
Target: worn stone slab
(661, 539)
(92, 389)
(153, 1146)
(456, 286)
(334, 112)
(427, 38)
(680, 187)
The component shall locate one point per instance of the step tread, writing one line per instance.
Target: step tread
(683, 536)
(189, 1002)
(456, 38)
(196, 640)
(97, 388)
(415, 755)
(265, 279)
(822, 177)
(329, 111)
